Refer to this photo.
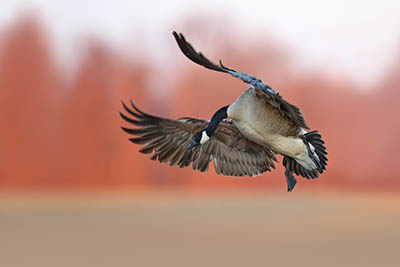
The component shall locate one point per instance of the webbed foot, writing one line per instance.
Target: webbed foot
(291, 181)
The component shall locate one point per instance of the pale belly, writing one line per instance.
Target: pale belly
(293, 147)
(285, 145)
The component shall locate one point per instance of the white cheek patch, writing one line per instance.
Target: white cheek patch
(204, 137)
(302, 132)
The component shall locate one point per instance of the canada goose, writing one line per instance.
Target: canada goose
(262, 125)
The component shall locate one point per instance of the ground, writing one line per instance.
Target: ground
(166, 229)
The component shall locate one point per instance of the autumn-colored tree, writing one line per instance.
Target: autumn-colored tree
(29, 99)
(67, 135)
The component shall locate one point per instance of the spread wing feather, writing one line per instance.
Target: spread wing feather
(167, 140)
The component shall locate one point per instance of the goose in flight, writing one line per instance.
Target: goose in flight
(261, 124)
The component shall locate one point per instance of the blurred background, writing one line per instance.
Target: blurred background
(75, 192)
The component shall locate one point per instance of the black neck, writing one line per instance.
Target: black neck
(216, 119)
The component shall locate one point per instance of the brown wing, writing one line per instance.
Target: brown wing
(287, 110)
(274, 99)
(167, 140)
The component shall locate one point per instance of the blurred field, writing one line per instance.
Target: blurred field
(200, 230)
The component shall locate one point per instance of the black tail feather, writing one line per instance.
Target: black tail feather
(313, 138)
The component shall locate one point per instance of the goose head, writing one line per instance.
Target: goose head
(199, 138)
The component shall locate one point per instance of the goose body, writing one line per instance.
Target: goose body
(262, 125)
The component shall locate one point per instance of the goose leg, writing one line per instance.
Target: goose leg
(291, 181)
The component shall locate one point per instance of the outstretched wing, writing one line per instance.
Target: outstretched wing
(167, 140)
(290, 111)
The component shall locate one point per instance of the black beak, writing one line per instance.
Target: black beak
(192, 145)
